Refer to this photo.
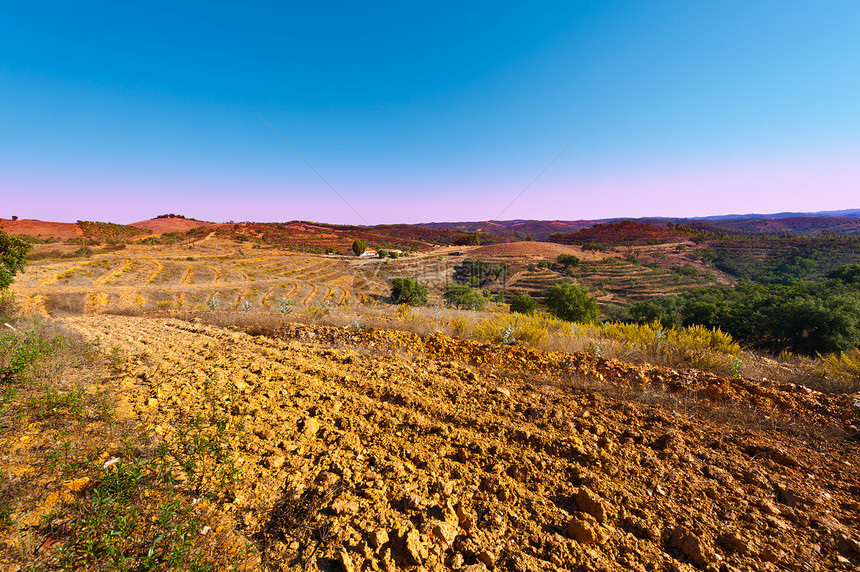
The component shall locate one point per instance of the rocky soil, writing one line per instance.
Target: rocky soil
(410, 454)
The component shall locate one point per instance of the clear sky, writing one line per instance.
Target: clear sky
(418, 112)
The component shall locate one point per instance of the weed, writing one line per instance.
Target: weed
(246, 305)
(214, 303)
(53, 403)
(63, 457)
(737, 364)
(20, 352)
(117, 359)
(201, 448)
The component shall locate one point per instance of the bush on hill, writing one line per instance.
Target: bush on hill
(408, 291)
(462, 296)
(571, 302)
(523, 304)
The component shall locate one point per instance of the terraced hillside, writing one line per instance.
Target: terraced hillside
(210, 275)
(620, 275)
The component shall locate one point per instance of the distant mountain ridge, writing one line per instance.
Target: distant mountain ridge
(838, 222)
(849, 213)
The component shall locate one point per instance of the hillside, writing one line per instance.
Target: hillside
(41, 229)
(513, 229)
(794, 225)
(176, 224)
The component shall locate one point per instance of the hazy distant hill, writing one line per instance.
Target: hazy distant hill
(798, 225)
(851, 213)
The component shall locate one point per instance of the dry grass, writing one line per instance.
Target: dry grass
(680, 348)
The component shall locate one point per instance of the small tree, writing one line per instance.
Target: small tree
(568, 260)
(383, 253)
(571, 302)
(12, 251)
(358, 247)
(408, 291)
(462, 296)
(523, 304)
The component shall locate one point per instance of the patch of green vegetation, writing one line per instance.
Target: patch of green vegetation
(110, 232)
(523, 304)
(464, 297)
(805, 317)
(408, 291)
(571, 302)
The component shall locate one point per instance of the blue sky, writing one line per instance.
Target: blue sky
(423, 112)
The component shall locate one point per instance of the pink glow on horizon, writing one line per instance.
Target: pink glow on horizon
(803, 184)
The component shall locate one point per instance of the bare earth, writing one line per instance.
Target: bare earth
(445, 454)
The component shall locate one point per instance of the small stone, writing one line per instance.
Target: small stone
(583, 531)
(378, 538)
(444, 533)
(590, 503)
(264, 433)
(792, 497)
(342, 507)
(274, 462)
(345, 562)
(768, 507)
(691, 545)
(310, 426)
(503, 391)
(464, 516)
(414, 548)
(78, 484)
(487, 559)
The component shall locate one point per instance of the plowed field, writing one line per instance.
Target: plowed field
(436, 454)
(210, 275)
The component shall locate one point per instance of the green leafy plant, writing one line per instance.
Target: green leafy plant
(523, 304)
(408, 291)
(12, 252)
(571, 302)
(285, 306)
(464, 297)
(201, 448)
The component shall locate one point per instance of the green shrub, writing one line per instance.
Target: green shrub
(462, 296)
(571, 302)
(568, 260)
(12, 252)
(408, 291)
(523, 304)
